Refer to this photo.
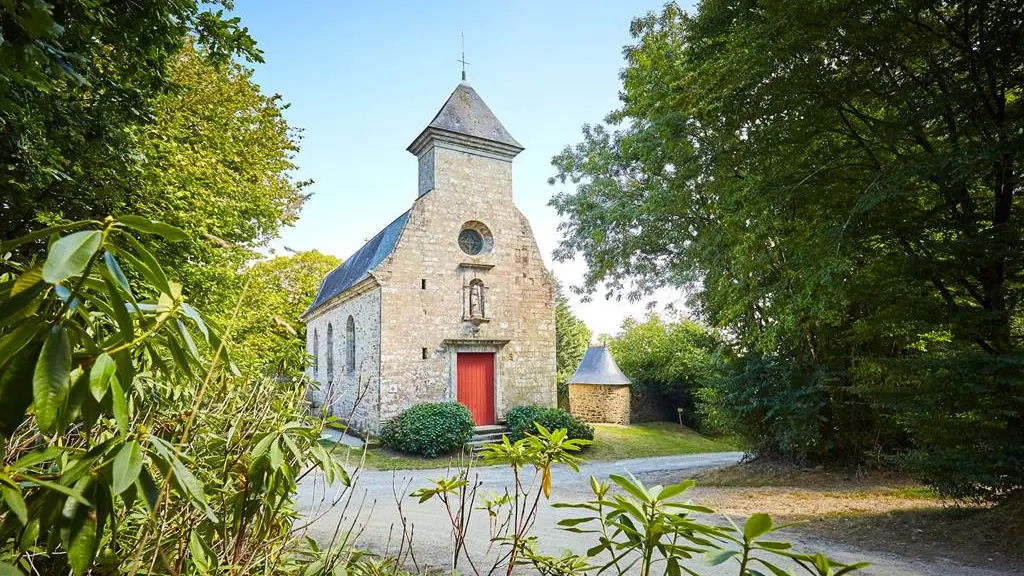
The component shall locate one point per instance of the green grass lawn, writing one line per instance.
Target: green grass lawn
(378, 458)
(611, 442)
(614, 442)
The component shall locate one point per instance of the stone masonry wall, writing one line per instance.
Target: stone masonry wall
(353, 395)
(599, 403)
(519, 295)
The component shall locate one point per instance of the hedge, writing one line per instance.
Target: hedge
(429, 429)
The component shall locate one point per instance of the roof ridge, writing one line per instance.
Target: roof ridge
(358, 266)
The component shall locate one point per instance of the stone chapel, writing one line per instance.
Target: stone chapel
(450, 301)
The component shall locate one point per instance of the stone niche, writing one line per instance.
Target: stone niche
(598, 390)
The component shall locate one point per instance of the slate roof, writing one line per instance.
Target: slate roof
(358, 266)
(598, 367)
(466, 113)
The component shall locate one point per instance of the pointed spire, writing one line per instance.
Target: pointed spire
(598, 367)
(466, 118)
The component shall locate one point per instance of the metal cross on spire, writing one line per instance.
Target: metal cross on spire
(462, 60)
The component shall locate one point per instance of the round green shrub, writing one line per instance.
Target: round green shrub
(429, 429)
(521, 418)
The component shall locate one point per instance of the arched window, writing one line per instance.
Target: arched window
(316, 355)
(330, 353)
(476, 299)
(350, 345)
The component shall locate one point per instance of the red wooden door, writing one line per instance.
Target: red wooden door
(476, 385)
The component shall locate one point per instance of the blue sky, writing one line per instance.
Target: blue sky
(363, 79)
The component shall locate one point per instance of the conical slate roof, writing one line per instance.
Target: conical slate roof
(598, 367)
(465, 113)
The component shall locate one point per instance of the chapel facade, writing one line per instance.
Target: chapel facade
(450, 301)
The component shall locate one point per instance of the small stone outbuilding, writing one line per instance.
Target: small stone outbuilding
(599, 391)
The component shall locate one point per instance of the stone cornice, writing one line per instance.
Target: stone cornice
(475, 342)
(462, 143)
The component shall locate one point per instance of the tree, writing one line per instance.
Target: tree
(78, 81)
(571, 340)
(838, 185)
(266, 330)
(218, 158)
(668, 362)
(144, 109)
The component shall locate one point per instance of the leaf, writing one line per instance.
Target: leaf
(196, 549)
(9, 570)
(51, 378)
(545, 482)
(147, 265)
(147, 487)
(21, 304)
(633, 489)
(190, 344)
(574, 521)
(124, 319)
(15, 503)
(59, 488)
(852, 568)
(757, 525)
(15, 391)
(100, 373)
(672, 569)
(36, 457)
(17, 339)
(182, 477)
(774, 545)
(70, 255)
(194, 315)
(775, 569)
(276, 456)
(114, 268)
(717, 557)
(120, 405)
(127, 466)
(172, 233)
(40, 234)
(676, 489)
(80, 534)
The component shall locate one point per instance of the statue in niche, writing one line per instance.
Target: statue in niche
(476, 299)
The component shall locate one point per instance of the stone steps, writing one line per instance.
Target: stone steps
(486, 435)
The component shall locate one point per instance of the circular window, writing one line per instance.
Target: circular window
(471, 241)
(475, 238)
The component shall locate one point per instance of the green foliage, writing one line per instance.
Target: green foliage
(77, 87)
(267, 331)
(776, 411)
(127, 435)
(883, 249)
(159, 119)
(522, 421)
(219, 158)
(571, 340)
(669, 361)
(636, 530)
(429, 429)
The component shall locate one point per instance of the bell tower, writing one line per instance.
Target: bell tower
(464, 125)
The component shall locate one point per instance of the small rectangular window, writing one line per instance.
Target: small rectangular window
(424, 353)
(423, 284)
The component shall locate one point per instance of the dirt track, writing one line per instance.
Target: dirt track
(380, 528)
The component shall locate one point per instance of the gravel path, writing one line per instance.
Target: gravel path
(373, 509)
